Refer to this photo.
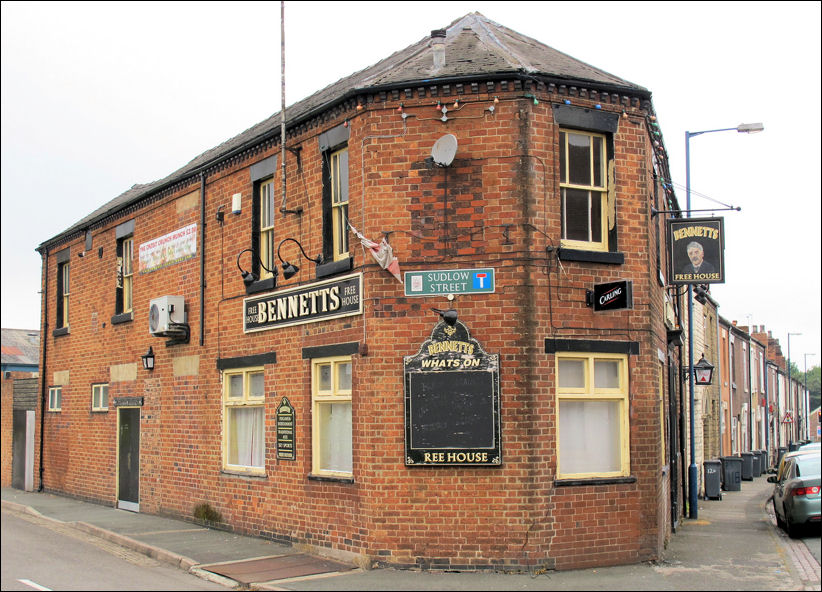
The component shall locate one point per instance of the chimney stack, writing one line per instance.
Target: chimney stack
(438, 45)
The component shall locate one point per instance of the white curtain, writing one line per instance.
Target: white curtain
(335, 436)
(589, 439)
(246, 445)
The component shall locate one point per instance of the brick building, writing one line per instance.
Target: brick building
(524, 422)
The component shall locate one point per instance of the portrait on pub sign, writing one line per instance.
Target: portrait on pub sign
(696, 247)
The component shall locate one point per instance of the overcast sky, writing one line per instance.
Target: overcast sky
(99, 96)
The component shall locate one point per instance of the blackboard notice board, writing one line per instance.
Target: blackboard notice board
(452, 401)
(452, 409)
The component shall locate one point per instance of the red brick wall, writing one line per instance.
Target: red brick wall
(505, 173)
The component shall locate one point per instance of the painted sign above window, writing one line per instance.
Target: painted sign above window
(340, 297)
(169, 249)
(697, 249)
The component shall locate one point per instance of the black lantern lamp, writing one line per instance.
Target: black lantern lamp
(290, 270)
(148, 359)
(703, 372)
(248, 276)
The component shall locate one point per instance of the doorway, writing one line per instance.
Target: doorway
(128, 458)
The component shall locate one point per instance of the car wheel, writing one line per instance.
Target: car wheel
(779, 522)
(790, 528)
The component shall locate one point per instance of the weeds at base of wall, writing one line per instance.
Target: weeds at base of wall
(205, 513)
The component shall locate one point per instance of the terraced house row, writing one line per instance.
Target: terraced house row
(431, 324)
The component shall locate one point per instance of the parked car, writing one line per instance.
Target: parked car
(788, 455)
(796, 493)
(811, 446)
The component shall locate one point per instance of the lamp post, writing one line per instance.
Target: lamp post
(693, 490)
(807, 401)
(791, 396)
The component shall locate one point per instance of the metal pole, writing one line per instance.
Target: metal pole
(693, 510)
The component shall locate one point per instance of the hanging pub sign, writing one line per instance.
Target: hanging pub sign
(697, 250)
(452, 400)
(285, 430)
(319, 301)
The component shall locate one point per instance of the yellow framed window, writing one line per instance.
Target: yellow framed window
(55, 398)
(244, 420)
(583, 189)
(99, 397)
(339, 203)
(331, 417)
(63, 292)
(128, 274)
(592, 402)
(267, 247)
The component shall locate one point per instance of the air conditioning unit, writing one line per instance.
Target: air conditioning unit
(164, 313)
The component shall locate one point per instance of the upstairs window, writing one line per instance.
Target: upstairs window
(338, 180)
(124, 299)
(584, 190)
(62, 321)
(267, 249)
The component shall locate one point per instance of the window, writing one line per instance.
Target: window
(244, 420)
(339, 203)
(125, 275)
(62, 320)
(55, 398)
(99, 397)
(266, 229)
(584, 190)
(331, 417)
(592, 398)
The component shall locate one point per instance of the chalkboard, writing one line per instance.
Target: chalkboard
(452, 409)
(452, 401)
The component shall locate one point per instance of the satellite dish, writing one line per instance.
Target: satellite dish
(444, 150)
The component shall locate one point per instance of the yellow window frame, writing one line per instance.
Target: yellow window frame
(339, 205)
(247, 399)
(590, 392)
(319, 397)
(592, 188)
(128, 274)
(266, 201)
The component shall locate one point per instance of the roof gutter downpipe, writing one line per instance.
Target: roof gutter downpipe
(202, 254)
(282, 105)
(44, 340)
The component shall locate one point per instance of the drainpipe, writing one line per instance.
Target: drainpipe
(44, 341)
(202, 254)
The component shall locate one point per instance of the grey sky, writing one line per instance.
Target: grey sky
(99, 96)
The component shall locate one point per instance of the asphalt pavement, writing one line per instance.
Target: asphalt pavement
(734, 544)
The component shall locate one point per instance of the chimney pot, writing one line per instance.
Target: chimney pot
(438, 45)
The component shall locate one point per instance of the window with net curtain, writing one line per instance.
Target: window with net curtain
(244, 398)
(592, 397)
(332, 420)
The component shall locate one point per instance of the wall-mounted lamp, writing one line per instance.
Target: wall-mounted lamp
(148, 359)
(250, 277)
(703, 372)
(290, 270)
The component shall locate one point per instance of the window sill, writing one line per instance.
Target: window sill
(239, 473)
(60, 331)
(612, 258)
(332, 478)
(334, 267)
(594, 481)
(265, 285)
(119, 319)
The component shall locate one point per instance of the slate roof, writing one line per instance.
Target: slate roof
(475, 47)
(20, 347)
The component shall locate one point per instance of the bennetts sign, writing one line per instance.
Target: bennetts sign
(697, 250)
(320, 301)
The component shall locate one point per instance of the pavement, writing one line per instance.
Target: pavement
(734, 544)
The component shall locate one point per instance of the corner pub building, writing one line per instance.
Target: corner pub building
(234, 336)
